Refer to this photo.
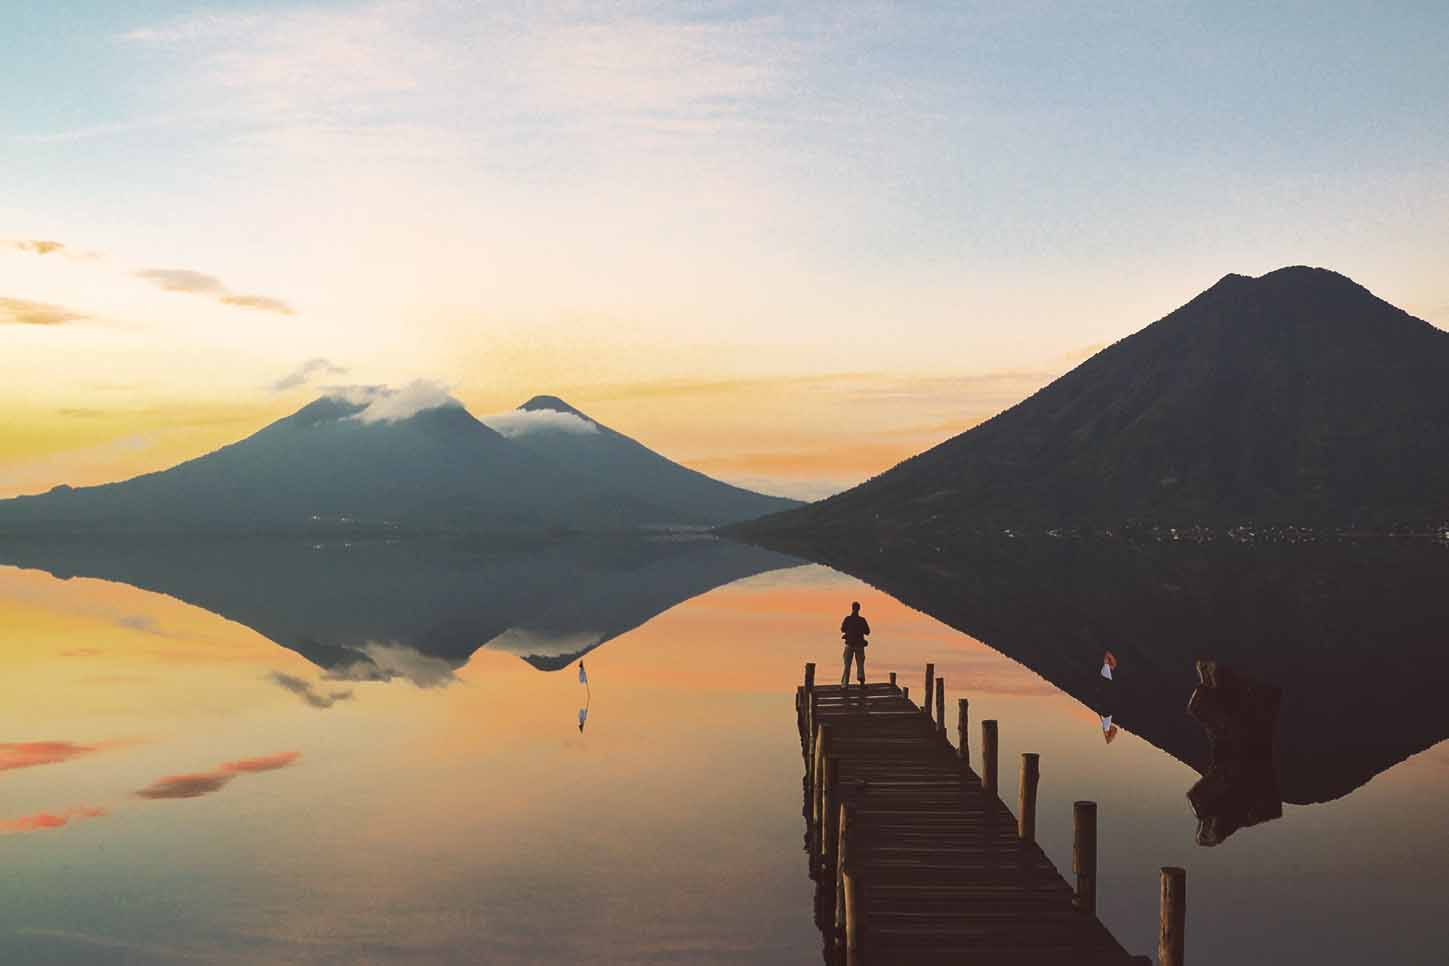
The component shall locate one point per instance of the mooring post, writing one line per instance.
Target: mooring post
(906, 693)
(829, 814)
(822, 749)
(930, 681)
(1026, 811)
(893, 679)
(1174, 917)
(988, 756)
(809, 675)
(964, 750)
(850, 893)
(941, 706)
(1084, 855)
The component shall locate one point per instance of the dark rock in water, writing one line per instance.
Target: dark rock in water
(1240, 718)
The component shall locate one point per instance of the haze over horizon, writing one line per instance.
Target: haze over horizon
(787, 246)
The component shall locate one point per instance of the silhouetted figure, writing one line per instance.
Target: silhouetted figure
(853, 631)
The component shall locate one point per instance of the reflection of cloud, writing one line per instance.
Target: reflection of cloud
(309, 694)
(383, 662)
(395, 405)
(28, 754)
(304, 373)
(263, 763)
(139, 622)
(193, 785)
(520, 422)
(199, 283)
(26, 312)
(81, 652)
(47, 820)
(197, 784)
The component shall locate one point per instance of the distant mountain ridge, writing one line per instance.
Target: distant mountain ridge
(1297, 397)
(618, 461)
(333, 464)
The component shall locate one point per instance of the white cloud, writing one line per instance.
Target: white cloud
(521, 422)
(394, 405)
(304, 374)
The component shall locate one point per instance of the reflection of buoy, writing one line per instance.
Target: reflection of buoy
(583, 715)
(1108, 663)
(1109, 730)
(583, 676)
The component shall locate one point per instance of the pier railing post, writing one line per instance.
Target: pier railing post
(1026, 812)
(906, 693)
(941, 706)
(988, 756)
(930, 681)
(893, 679)
(964, 749)
(1084, 855)
(1170, 935)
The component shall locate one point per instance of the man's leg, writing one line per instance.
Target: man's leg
(860, 665)
(845, 674)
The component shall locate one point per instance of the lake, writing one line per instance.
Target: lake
(287, 752)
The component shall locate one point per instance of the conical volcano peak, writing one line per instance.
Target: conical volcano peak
(552, 404)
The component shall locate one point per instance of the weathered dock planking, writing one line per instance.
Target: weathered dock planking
(916, 861)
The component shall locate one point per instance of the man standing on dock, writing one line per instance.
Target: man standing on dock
(853, 630)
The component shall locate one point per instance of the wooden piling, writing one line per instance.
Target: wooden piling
(930, 683)
(941, 706)
(1084, 855)
(893, 679)
(850, 894)
(1026, 809)
(1170, 936)
(829, 813)
(963, 749)
(988, 756)
(906, 693)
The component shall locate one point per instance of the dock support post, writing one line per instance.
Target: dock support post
(941, 706)
(850, 893)
(964, 748)
(988, 756)
(1084, 855)
(822, 749)
(893, 679)
(1173, 918)
(1026, 811)
(906, 693)
(829, 814)
(930, 681)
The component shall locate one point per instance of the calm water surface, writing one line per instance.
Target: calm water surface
(177, 787)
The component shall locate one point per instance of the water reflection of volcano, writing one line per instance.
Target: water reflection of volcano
(1351, 631)
(370, 610)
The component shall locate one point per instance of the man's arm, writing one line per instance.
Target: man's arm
(864, 626)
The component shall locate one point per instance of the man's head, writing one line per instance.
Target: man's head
(855, 607)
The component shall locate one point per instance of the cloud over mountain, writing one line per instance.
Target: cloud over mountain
(303, 374)
(520, 422)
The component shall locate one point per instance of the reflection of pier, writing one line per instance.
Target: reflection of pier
(917, 859)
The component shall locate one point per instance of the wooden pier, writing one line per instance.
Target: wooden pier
(918, 862)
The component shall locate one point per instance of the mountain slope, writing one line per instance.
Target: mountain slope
(550, 428)
(439, 468)
(1298, 397)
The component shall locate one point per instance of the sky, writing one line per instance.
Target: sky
(786, 244)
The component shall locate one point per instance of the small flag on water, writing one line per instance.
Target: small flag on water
(1109, 730)
(583, 675)
(1108, 663)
